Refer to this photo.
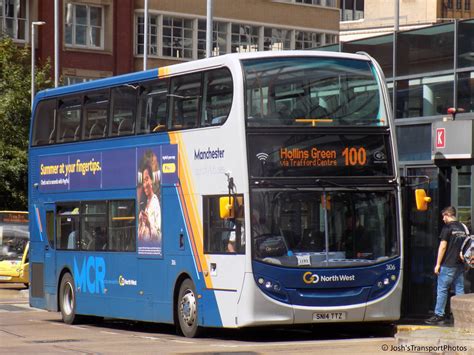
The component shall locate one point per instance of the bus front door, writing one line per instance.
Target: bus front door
(42, 257)
(49, 250)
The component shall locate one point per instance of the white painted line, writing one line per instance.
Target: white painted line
(77, 327)
(106, 332)
(146, 337)
(183, 342)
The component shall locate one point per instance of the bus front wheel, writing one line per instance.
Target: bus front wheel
(187, 310)
(67, 300)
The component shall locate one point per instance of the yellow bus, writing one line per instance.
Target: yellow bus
(14, 247)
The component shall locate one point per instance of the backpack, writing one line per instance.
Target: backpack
(467, 251)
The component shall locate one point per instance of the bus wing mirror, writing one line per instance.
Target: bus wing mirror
(226, 207)
(231, 207)
(422, 200)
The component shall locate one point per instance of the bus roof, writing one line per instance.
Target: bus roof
(187, 67)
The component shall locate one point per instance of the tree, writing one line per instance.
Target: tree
(15, 113)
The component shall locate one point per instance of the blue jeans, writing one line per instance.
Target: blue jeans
(447, 277)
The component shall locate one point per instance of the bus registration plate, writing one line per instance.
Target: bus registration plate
(329, 316)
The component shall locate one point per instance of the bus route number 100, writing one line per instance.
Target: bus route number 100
(354, 156)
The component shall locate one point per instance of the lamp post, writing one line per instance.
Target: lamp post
(33, 24)
(145, 36)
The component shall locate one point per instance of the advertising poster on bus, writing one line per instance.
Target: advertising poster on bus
(149, 202)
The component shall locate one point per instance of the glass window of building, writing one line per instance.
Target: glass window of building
(84, 26)
(467, 5)
(465, 91)
(428, 96)
(458, 4)
(425, 50)
(330, 38)
(70, 80)
(13, 19)
(466, 44)
(244, 38)
(306, 40)
(380, 47)
(177, 37)
(351, 10)
(414, 142)
(462, 194)
(328, 3)
(152, 34)
(276, 39)
(219, 38)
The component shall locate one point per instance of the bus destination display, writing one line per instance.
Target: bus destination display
(279, 155)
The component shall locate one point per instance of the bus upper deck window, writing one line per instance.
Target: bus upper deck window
(217, 99)
(95, 115)
(185, 99)
(153, 107)
(45, 123)
(123, 110)
(69, 119)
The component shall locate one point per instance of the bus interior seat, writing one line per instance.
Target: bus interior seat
(125, 127)
(68, 135)
(312, 240)
(96, 131)
(290, 238)
(52, 136)
(77, 133)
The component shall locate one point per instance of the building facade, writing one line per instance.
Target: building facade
(100, 38)
(433, 71)
(368, 18)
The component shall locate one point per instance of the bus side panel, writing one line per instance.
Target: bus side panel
(185, 201)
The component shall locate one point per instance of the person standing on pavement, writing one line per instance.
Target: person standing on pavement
(449, 267)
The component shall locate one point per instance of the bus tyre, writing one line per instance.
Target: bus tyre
(67, 300)
(187, 310)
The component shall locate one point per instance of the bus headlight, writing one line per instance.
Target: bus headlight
(272, 288)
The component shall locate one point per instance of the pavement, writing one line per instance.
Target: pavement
(433, 339)
(409, 338)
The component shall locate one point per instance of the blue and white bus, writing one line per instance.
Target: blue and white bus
(241, 190)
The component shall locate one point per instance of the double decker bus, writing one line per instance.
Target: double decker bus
(241, 190)
(14, 247)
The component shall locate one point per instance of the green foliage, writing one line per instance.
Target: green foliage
(15, 112)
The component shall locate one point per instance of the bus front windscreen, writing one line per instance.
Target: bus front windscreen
(312, 91)
(311, 228)
(13, 240)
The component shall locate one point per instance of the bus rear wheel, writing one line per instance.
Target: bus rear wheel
(67, 300)
(187, 310)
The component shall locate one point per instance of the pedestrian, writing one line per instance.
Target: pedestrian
(449, 267)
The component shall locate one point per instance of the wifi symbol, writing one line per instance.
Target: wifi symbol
(262, 156)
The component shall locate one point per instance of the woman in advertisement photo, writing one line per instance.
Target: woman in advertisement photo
(149, 219)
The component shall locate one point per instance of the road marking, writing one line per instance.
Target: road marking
(183, 341)
(146, 337)
(106, 332)
(77, 327)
